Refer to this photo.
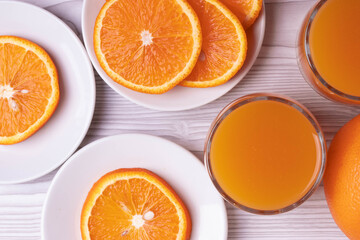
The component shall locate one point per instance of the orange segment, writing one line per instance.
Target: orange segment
(29, 90)
(224, 45)
(147, 45)
(246, 10)
(134, 204)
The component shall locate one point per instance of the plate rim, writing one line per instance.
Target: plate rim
(92, 86)
(107, 138)
(173, 108)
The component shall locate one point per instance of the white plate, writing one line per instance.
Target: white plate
(179, 98)
(61, 135)
(182, 170)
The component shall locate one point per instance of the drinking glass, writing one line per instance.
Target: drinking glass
(308, 68)
(238, 103)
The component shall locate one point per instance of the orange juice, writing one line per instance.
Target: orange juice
(328, 50)
(265, 154)
(334, 42)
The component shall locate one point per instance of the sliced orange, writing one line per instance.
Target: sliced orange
(147, 45)
(29, 90)
(134, 204)
(224, 45)
(246, 10)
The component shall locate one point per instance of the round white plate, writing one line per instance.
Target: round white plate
(61, 135)
(179, 98)
(182, 170)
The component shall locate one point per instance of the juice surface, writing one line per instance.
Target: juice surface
(265, 155)
(335, 44)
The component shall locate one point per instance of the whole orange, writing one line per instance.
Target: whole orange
(342, 179)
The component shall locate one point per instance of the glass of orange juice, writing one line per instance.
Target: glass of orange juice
(265, 153)
(328, 49)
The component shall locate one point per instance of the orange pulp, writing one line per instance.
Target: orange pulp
(265, 155)
(334, 42)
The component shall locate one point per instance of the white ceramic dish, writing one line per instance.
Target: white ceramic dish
(182, 170)
(61, 135)
(179, 98)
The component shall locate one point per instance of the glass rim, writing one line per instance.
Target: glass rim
(310, 61)
(257, 97)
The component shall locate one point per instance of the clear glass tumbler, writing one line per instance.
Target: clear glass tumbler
(242, 101)
(308, 68)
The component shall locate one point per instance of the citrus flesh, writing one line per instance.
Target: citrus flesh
(29, 90)
(224, 45)
(134, 204)
(147, 45)
(246, 10)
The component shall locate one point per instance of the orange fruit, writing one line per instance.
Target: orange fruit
(224, 45)
(342, 178)
(29, 90)
(246, 10)
(147, 45)
(134, 204)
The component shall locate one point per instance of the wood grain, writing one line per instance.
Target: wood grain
(274, 71)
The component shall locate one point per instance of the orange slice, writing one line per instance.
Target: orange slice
(224, 45)
(134, 204)
(147, 45)
(29, 90)
(246, 10)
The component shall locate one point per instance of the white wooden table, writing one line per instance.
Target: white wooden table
(274, 71)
